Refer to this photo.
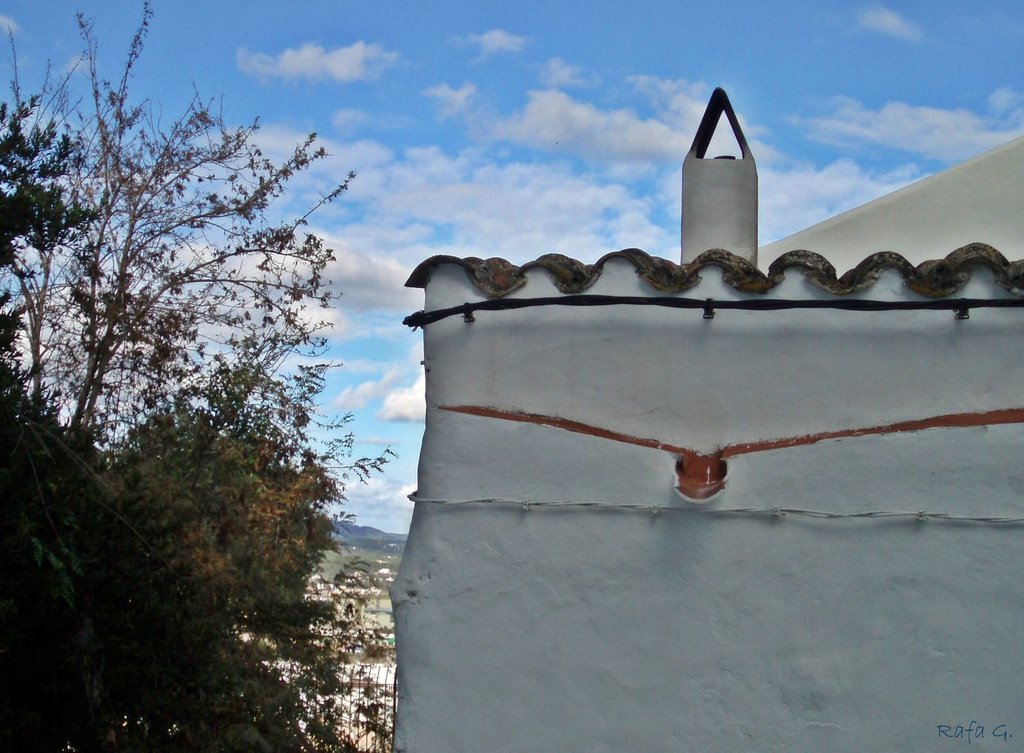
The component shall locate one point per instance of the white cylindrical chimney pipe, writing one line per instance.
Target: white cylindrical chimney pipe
(719, 195)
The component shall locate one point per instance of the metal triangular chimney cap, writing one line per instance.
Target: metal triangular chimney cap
(718, 104)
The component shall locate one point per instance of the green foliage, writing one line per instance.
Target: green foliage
(165, 490)
(229, 511)
(175, 613)
(41, 468)
(33, 160)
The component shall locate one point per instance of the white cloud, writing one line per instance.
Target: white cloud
(882, 20)
(364, 156)
(451, 101)
(800, 195)
(471, 206)
(381, 502)
(558, 74)
(355, 397)
(9, 25)
(362, 366)
(348, 121)
(409, 205)
(682, 103)
(397, 402)
(405, 207)
(676, 100)
(553, 120)
(932, 132)
(335, 323)
(405, 403)
(495, 42)
(369, 282)
(357, 62)
(278, 143)
(1007, 103)
(374, 441)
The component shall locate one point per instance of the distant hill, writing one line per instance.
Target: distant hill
(369, 539)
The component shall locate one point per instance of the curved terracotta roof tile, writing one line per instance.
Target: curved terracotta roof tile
(936, 278)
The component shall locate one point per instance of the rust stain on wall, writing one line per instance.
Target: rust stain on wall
(701, 475)
(946, 421)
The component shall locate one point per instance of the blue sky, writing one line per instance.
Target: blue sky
(517, 129)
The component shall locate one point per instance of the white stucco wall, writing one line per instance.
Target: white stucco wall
(596, 629)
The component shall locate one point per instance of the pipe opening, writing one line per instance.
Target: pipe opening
(700, 477)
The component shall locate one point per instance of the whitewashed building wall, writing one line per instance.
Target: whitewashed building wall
(559, 593)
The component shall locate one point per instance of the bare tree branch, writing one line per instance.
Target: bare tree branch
(179, 246)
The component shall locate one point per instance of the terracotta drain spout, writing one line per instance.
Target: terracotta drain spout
(700, 476)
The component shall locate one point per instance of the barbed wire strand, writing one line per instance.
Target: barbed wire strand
(775, 512)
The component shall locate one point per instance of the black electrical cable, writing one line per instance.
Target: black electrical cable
(960, 305)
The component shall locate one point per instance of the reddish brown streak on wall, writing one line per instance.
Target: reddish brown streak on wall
(701, 475)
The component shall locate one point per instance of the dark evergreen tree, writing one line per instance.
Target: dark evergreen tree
(44, 476)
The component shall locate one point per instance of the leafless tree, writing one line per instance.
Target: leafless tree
(178, 258)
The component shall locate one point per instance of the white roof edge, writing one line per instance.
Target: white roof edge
(980, 200)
